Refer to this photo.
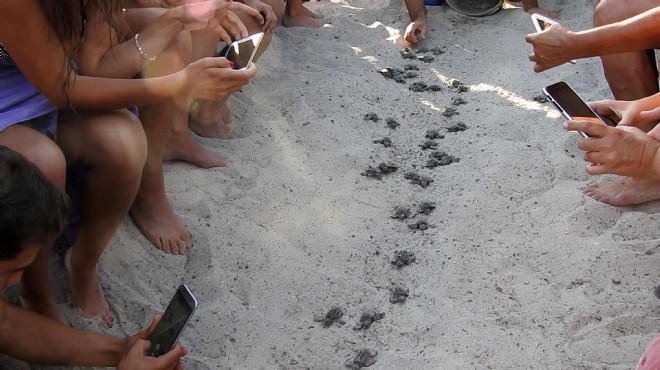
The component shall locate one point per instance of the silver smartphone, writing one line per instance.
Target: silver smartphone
(572, 106)
(242, 51)
(174, 319)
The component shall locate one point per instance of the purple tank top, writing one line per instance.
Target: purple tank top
(19, 100)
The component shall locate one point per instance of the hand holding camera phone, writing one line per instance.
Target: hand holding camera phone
(242, 51)
(571, 106)
(541, 23)
(174, 319)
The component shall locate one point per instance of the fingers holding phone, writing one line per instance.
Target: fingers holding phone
(137, 358)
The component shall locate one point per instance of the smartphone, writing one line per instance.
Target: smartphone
(174, 319)
(242, 51)
(572, 106)
(541, 22)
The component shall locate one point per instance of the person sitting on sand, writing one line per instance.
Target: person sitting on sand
(106, 139)
(32, 213)
(206, 118)
(623, 35)
(623, 41)
(418, 27)
(624, 150)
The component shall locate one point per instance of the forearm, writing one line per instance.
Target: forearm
(36, 339)
(93, 93)
(634, 34)
(416, 10)
(125, 60)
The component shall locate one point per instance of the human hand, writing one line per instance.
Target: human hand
(625, 151)
(270, 18)
(138, 344)
(552, 47)
(552, 14)
(137, 359)
(217, 15)
(415, 30)
(213, 79)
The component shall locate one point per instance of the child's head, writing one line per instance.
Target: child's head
(32, 210)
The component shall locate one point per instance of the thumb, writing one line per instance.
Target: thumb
(217, 62)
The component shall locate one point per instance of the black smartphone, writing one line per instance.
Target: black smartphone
(572, 106)
(242, 51)
(174, 319)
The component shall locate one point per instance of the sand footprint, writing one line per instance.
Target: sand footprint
(593, 219)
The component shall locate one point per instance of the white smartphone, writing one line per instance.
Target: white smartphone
(242, 51)
(572, 106)
(541, 22)
(174, 319)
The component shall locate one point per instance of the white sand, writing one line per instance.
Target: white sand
(517, 271)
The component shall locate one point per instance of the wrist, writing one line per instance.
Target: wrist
(651, 159)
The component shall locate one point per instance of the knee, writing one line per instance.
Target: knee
(119, 142)
(608, 12)
(50, 160)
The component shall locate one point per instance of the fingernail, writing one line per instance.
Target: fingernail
(565, 124)
(232, 64)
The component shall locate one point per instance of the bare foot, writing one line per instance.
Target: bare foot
(182, 147)
(154, 217)
(213, 123)
(624, 191)
(300, 21)
(311, 14)
(87, 293)
(213, 130)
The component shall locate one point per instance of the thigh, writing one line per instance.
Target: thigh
(611, 11)
(38, 149)
(102, 138)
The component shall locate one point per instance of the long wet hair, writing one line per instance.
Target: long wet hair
(67, 20)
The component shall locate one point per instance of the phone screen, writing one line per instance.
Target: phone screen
(541, 22)
(242, 51)
(571, 105)
(173, 321)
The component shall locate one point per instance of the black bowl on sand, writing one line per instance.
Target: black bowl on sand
(475, 8)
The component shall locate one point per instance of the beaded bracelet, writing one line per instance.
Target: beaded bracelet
(142, 53)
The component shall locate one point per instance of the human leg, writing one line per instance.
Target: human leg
(297, 15)
(35, 288)
(112, 146)
(631, 76)
(210, 118)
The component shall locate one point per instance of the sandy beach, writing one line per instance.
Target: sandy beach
(514, 268)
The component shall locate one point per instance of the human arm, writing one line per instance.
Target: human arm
(100, 56)
(625, 151)
(558, 45)
(36, 339)
(635, 113)
(207, 78)
(418, 24)
(532, 7)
